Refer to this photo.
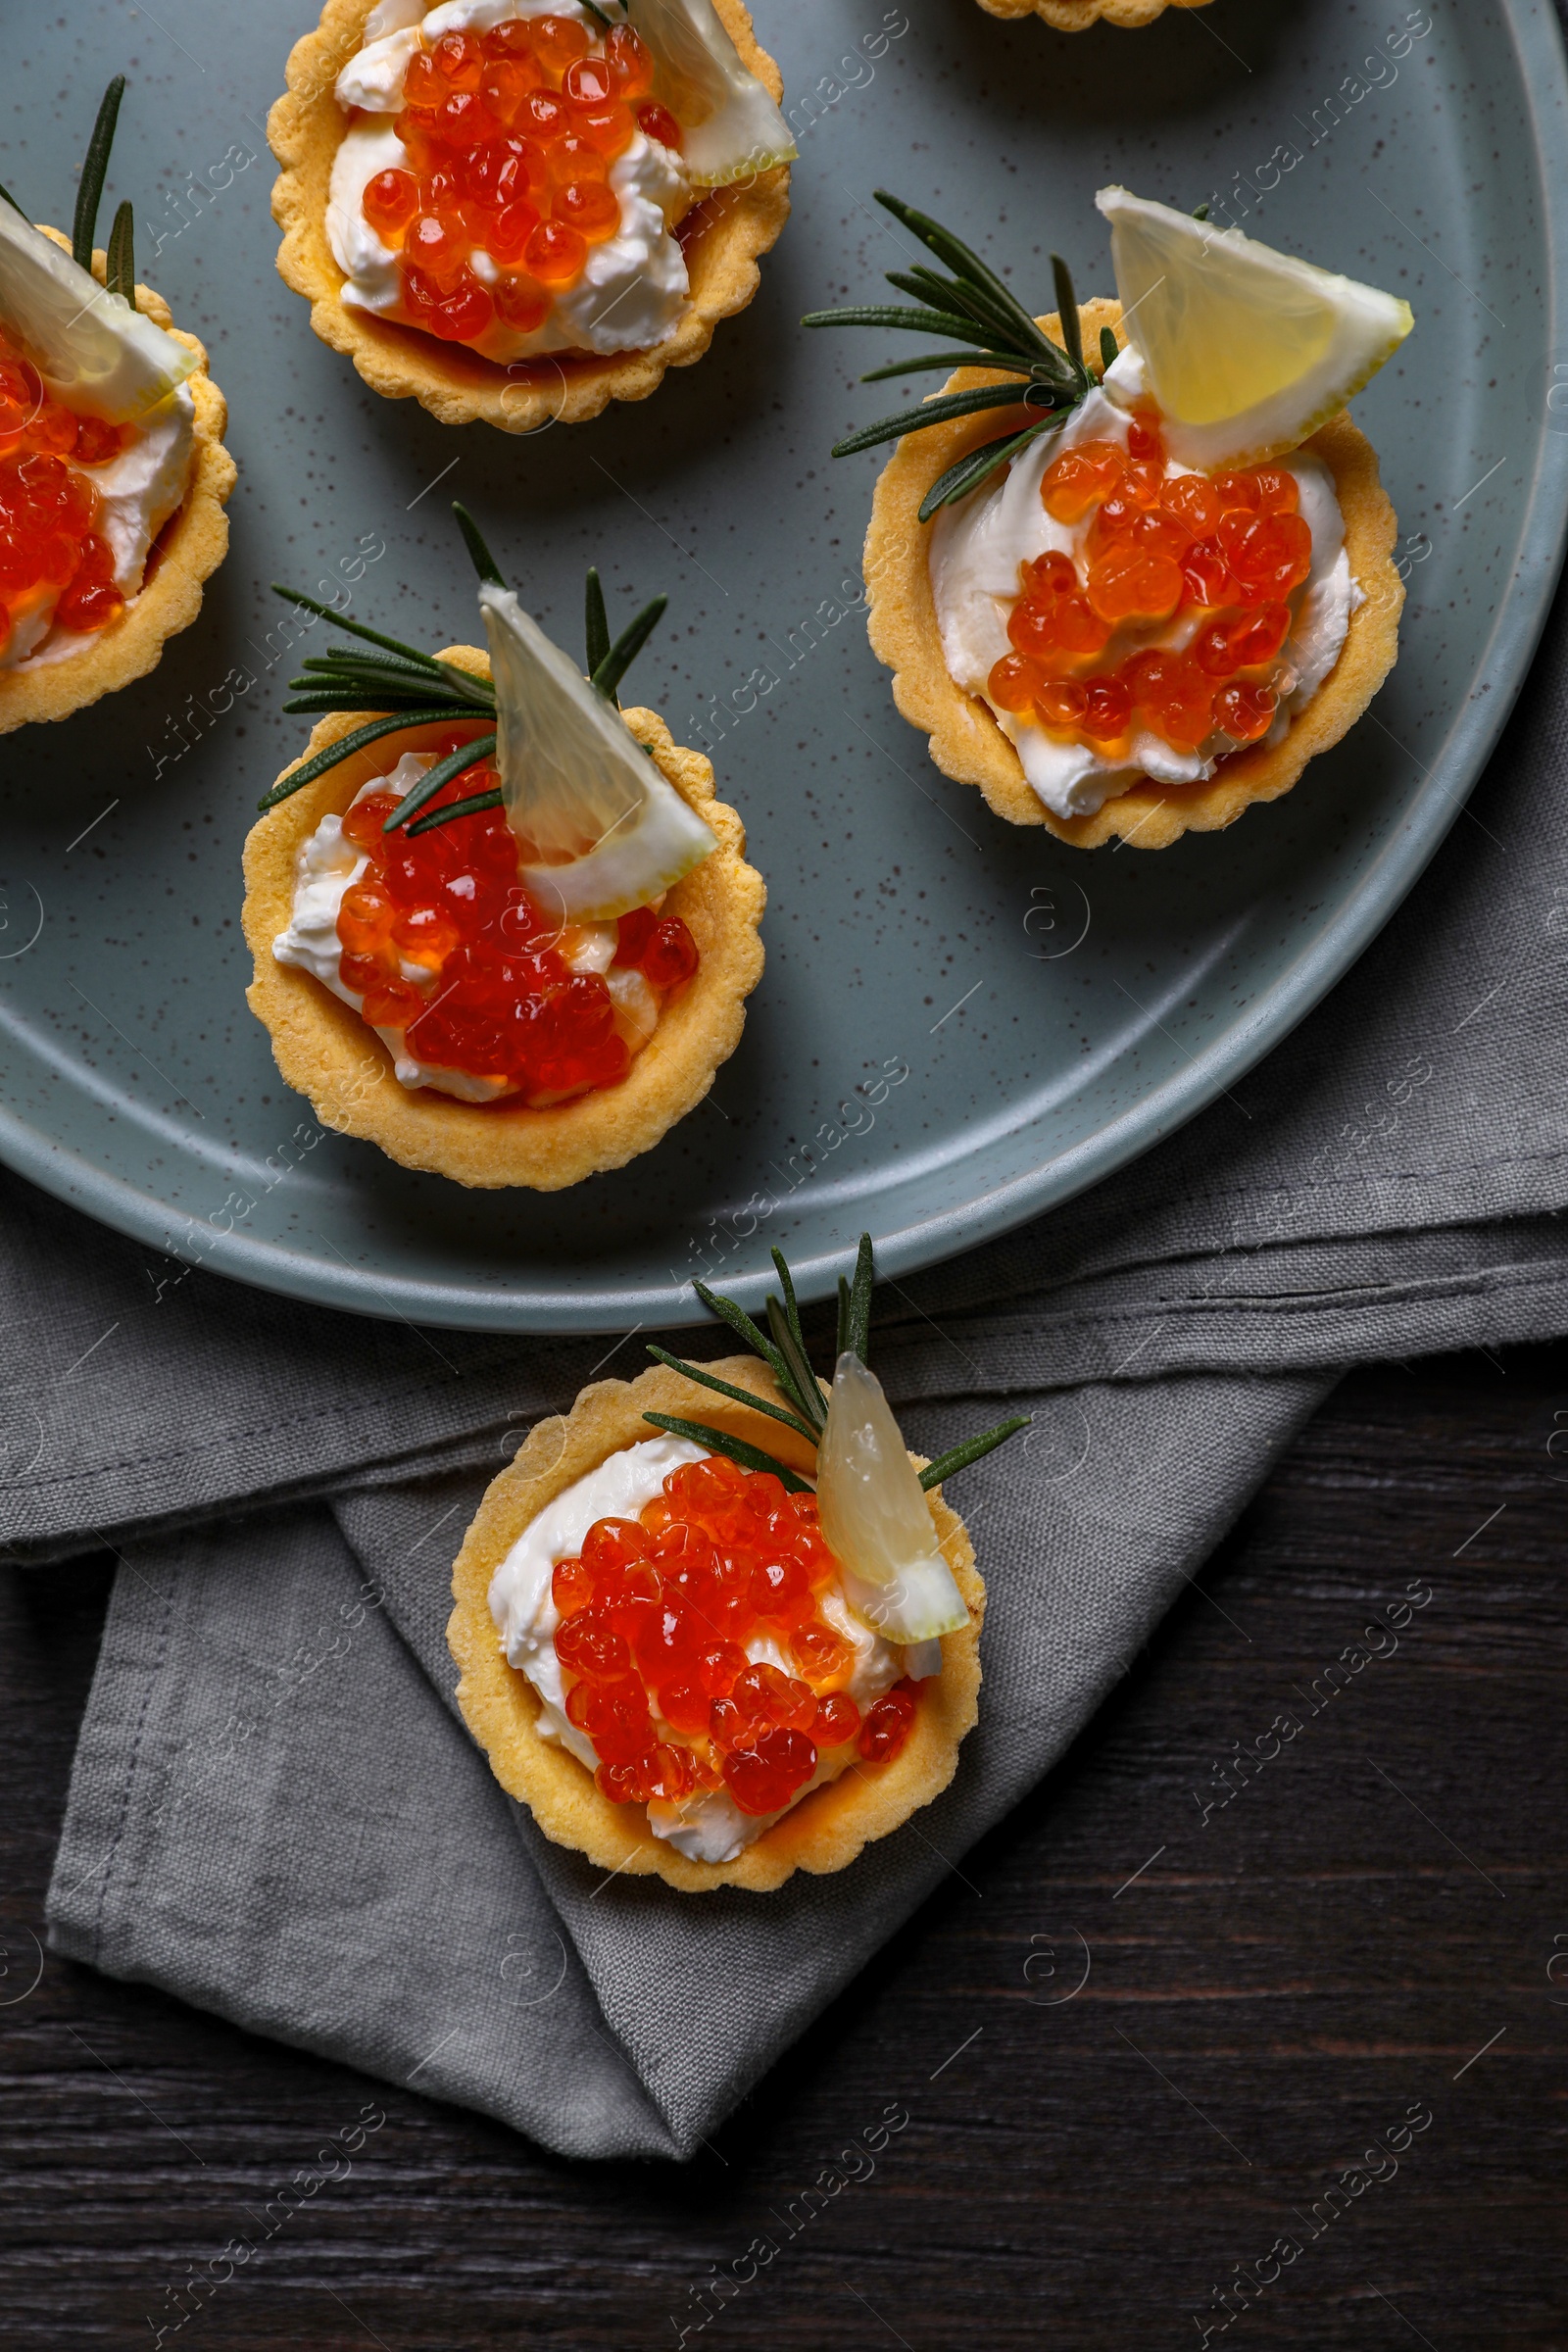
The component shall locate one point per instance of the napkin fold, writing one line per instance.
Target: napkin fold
(275, 1811)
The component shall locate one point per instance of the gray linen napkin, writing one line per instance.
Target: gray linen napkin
(274, 1811)
(272, 1815)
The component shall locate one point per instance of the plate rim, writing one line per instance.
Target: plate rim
(113, 1201)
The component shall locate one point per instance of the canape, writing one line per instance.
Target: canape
(521, 210)
(500, 928)
(113, 470)
(1076, 15)
(744, 1646)
(1169, 582)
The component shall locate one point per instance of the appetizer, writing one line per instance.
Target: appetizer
(500, 928)
(1076, 15)
(1167, 582)
(113, 470)
(741, 1648)
(521, 210)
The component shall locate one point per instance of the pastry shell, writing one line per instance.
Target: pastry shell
(966, 741)
(325, 1052)
(723, 237)
(187, 551)
(1076, 15)
(827, 1829)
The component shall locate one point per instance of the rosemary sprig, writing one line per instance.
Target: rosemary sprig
(475, 692)
(857, 1321)
(596, 621)
(469, 807)
(972, 1450)
(980, 464)
(399, 687)
(484, 562)
(943, 409)
(786, 1357)
(974, 307)
(607, 673)
(89, 193)
(120, 257)
(456, 763)
(720, 1440)
(321, 698)
(1067, 312)
(344, 748)
(346, 665)
(802, 1388)
(741, 1322)
(721, 1387)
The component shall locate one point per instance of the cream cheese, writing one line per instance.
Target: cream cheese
(634, 286)
(706, 1828)
(137, 492)
(329, 865)
(977, 546)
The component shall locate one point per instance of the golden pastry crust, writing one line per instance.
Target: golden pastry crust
(966, 741)
(722, 238)
(325, 1052)
(826, 1829)
(1076, 15)
(187, 551)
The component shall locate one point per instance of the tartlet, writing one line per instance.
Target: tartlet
(757, 1674)
(826, 1829)
(1130, 585)
(722, 239)
(324, 1052)
(968, 745)
(186, 553)
(113, 470)
(1076, 15)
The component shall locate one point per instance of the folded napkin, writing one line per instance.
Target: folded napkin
(275, 1811)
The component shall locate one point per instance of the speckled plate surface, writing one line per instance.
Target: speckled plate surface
(959, 1023)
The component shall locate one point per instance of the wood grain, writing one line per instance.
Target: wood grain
(1277, 1985)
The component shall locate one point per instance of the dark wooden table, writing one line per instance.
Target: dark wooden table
(1364, 1948)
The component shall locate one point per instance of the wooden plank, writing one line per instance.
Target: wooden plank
(1362, 1927)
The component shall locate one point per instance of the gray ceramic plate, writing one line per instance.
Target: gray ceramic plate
(959, 1023)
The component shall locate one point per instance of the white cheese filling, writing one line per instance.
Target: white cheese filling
(975, 551)
(136, 492)
(634, 286)
(708, 1827)
(329, 865)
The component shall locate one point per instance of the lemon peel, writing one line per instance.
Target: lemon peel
(875, 1518)
(732, 123)
(605, 831)
(1247, 351)
(94, 352)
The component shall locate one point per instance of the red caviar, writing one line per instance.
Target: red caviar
(509, 135)
(655, 1613)
(443, 942)
(1157, 544)
(48, 507)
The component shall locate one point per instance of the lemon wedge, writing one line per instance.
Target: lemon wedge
(875, 1516)
(732, 125)
(601, 830)
(93, 351)
(1245, 350)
